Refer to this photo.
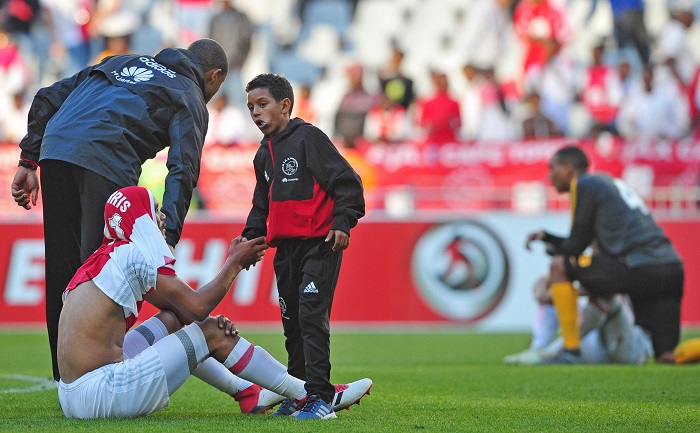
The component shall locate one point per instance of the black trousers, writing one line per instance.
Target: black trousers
(73, 200)
(307, 274)
(655, 290)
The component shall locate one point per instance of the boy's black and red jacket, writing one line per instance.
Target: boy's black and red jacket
(304, 189)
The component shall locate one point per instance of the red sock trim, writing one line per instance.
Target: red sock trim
(243, 362)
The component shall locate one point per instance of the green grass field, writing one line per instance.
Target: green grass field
(424, 382)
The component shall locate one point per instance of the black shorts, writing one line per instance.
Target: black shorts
(655, 290)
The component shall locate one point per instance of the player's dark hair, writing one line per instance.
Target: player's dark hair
(210, 54)
(278, 86)
(573, 155)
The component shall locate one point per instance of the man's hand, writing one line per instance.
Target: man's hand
(247, 252)
(226, 324)
(341, 240)
(534, 236)
(25, 187)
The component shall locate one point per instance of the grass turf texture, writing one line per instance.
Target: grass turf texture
(426, 382)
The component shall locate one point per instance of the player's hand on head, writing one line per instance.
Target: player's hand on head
(247, 252)
(341, 240)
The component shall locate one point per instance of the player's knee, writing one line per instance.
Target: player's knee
(216, 334)
(209, 327)
(170, 320)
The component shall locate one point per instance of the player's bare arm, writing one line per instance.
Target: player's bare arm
(157, 300)
(198, 304)
(90, 332)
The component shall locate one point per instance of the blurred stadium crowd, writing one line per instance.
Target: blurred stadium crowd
(388, 71)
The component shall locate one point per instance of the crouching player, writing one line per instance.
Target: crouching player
(102, 375)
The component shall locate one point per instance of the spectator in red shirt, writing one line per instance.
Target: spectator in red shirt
(535, 21)
(439, 116)
(601, 92)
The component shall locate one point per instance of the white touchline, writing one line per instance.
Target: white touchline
(41, 383)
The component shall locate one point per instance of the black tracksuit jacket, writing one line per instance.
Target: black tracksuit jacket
(304, 188)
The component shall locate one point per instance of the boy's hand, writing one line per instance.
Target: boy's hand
(341, 240)
(246, 253)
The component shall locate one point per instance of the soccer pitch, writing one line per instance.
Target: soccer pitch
(423, 382)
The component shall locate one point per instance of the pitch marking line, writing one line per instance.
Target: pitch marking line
(41, 383)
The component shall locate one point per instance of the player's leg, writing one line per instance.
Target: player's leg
(287, 264)
(211, 371)
(548, 352)
(625, 342)
(247, 361)
(657, 301)
(596, 311)
(592, 348)
(61, 210)
(544, 328)
(181, 352)
(320, 277)
(601, 275)
(565, 300)
(546, 324)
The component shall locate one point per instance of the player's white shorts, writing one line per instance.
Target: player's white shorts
(134, 387)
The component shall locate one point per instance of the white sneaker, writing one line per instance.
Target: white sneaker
(345, 396)
(526, 357)
(351, 393)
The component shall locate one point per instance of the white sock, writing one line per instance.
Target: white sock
(215, 374)
(256, 365)
(210, 371)
(545, 326)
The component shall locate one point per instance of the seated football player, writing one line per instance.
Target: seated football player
(107, 372)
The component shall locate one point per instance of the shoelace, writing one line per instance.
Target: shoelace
(288, 405)
(311, 404)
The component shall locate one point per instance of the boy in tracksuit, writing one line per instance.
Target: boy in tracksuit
(306, 200)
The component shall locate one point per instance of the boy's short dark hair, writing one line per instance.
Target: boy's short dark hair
(573, 155)
(278, 86)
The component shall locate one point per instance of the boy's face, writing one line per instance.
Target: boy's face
(270, 116)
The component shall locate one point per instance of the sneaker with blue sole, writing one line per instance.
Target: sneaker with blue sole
(346, 395)
(316, 408)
